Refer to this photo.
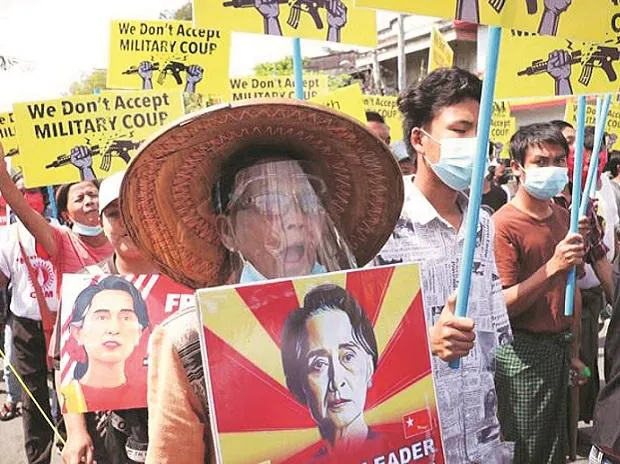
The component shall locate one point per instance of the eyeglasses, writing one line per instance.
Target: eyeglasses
(273, 204)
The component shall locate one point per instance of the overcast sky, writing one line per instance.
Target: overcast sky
(60, 40)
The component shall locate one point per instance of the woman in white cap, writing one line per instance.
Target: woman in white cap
(243, 193)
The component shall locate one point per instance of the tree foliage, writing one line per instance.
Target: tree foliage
(89, 82)
(284, 67)
(183, 13)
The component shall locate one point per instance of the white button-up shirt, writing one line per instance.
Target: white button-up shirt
(466, 397)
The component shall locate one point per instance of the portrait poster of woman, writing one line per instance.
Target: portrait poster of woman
(106, 321)
(324, 368)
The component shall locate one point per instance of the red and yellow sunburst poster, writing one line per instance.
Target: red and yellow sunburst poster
(325, 368)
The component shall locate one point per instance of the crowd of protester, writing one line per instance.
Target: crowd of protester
(533, 357)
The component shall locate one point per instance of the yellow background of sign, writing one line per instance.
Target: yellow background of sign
(214, 63)
(440, 54)
(360, 27)
(613, 120)
(503, 126)
(386, 107)
(36, 152)
(243, 88)
(8, 138)
(348, 100)
(589, 21)
(519, 53)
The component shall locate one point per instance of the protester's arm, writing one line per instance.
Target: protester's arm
(520, 297)
(79, 448)
(603, 270)
(176, 420)
(34, 222)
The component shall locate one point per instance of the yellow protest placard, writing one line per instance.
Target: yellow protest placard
(548, 66)
(386, 107)
(331, 20)
(168, 55)
(613, 120)
(244, 88)
(88, 136)
(8, 138)
(589, 21)
(503, 126)
(440, 54)
(348, 100)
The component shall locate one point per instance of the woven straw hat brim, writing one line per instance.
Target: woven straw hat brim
(166, 195)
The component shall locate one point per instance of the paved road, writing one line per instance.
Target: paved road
(12, 439)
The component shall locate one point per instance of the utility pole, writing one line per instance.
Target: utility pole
(376, 73)
(402, 58)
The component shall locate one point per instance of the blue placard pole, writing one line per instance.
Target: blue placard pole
(602, 112)
(569, 297)
(477, 181)
(52, 199)
(298, 68)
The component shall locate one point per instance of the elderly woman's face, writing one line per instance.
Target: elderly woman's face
(277, 219)
(110, 330)
(338, 370)
(83, 203)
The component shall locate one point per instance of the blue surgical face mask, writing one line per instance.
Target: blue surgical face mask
(250, 274)
(545, 183)
(87, 231)
(456, 161)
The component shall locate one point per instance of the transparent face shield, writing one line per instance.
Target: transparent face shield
(278, 226)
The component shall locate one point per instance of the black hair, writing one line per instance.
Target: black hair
(62, 196)
(440, 89)
(326, 297)
(561, 125)
(613, 166)
(588, 140)
(85, 298)
(535, 135)
(373, 116)
(244, 158)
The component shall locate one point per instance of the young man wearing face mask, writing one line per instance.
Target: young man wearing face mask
(534, 254)
(28, 355)
(441, 117)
